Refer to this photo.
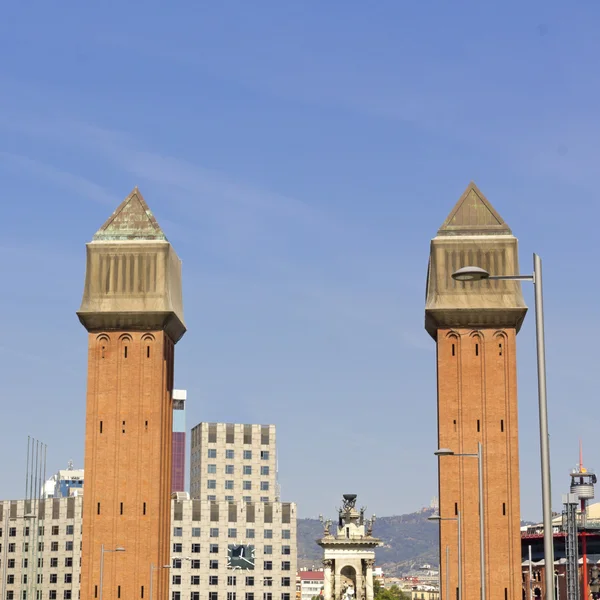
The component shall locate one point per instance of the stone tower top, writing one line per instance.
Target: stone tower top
(133, 275)
(473, 234)
(132, 220)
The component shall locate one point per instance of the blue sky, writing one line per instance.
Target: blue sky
(300, 156)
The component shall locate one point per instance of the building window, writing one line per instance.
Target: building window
(247, 499)
(211, 468)
(213, 596)
(231, 580)
(177, 531)
(267, 596)
(264, 455)
(285, 596)
(247, 485)
(213, 580)
(285, 581)
(229, 469)
(214, 532)
(69, 546)
(268, 550)
(286, 534)
(229, 454)
(175, 595)
(231, 595)
(228, 498)
(285, 565)
(247, 469)
(211, 484)
(232, 532)
(10, 579)
(54, 529)
(250, 581)
(195, 531)
(53, 563)
(176, 563)
(195, 580)
(213, 564)
(214, 549)
(285, 550)
(247, 454)
(53, 578)
(264, 470)
(229, 484)
(54, 547)
(195, 596)
(211, 498)
(13, 547)
(264, 498)
(68, 577)
(268, 534)
(268, 565)
(268, 582)
(70, 529)
(67, 595)
(250, 533)
(250, 595)
(195, 564)
(177, 548)
(11, 563)
(51, 595)
(69, 561)
(212, 453)
(176, 579)
(195, 548)
(264, 486)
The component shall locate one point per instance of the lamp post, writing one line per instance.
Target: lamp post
(457, 519)
(152, 569)
(102, 552)
(478, 274)
(479, 457)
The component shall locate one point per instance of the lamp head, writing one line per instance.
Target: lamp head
(444, 452)
(470, 274)
(434, 518)
(119, 549)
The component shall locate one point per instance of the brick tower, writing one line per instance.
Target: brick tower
(132, 309)
(475, 326)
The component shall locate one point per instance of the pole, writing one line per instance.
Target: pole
(151, 577)
(544, 438)
(459, 556)
(447, 573)
(530, 575)
(101, 568)
(481, 520)
(557, 586)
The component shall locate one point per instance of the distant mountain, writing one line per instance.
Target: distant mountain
(408, 541)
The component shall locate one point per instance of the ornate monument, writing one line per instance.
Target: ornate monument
(349, 554)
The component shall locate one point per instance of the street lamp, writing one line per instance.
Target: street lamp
(478, 274)
(479, 457)
(102, 552)
(457, 519)
(152, 569)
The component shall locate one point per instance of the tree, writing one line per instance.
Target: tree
(392, 593)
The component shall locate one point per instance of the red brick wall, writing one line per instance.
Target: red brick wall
(127, 463)
(477, 402)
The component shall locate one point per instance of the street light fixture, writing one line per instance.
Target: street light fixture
(479, 457)
(152, 569)
(471, 273)
(103, 551)
(457, 519)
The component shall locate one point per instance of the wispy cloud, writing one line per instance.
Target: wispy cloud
(83, 188)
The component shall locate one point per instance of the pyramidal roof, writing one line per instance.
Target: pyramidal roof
(474, 215)
(132, 220)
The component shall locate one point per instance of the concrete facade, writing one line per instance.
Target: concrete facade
(132, 309)
(204, 534)
(475, 326)
(234, 461)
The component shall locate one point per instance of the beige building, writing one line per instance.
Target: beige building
(219, 551)
(233, 550)
(233, 462)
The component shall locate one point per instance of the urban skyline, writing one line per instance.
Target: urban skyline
(302, 207)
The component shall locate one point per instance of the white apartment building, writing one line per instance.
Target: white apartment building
(233, 550)
(233, 462)
(311, 584)
(220, 551)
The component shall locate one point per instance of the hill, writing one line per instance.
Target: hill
(408, 541)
